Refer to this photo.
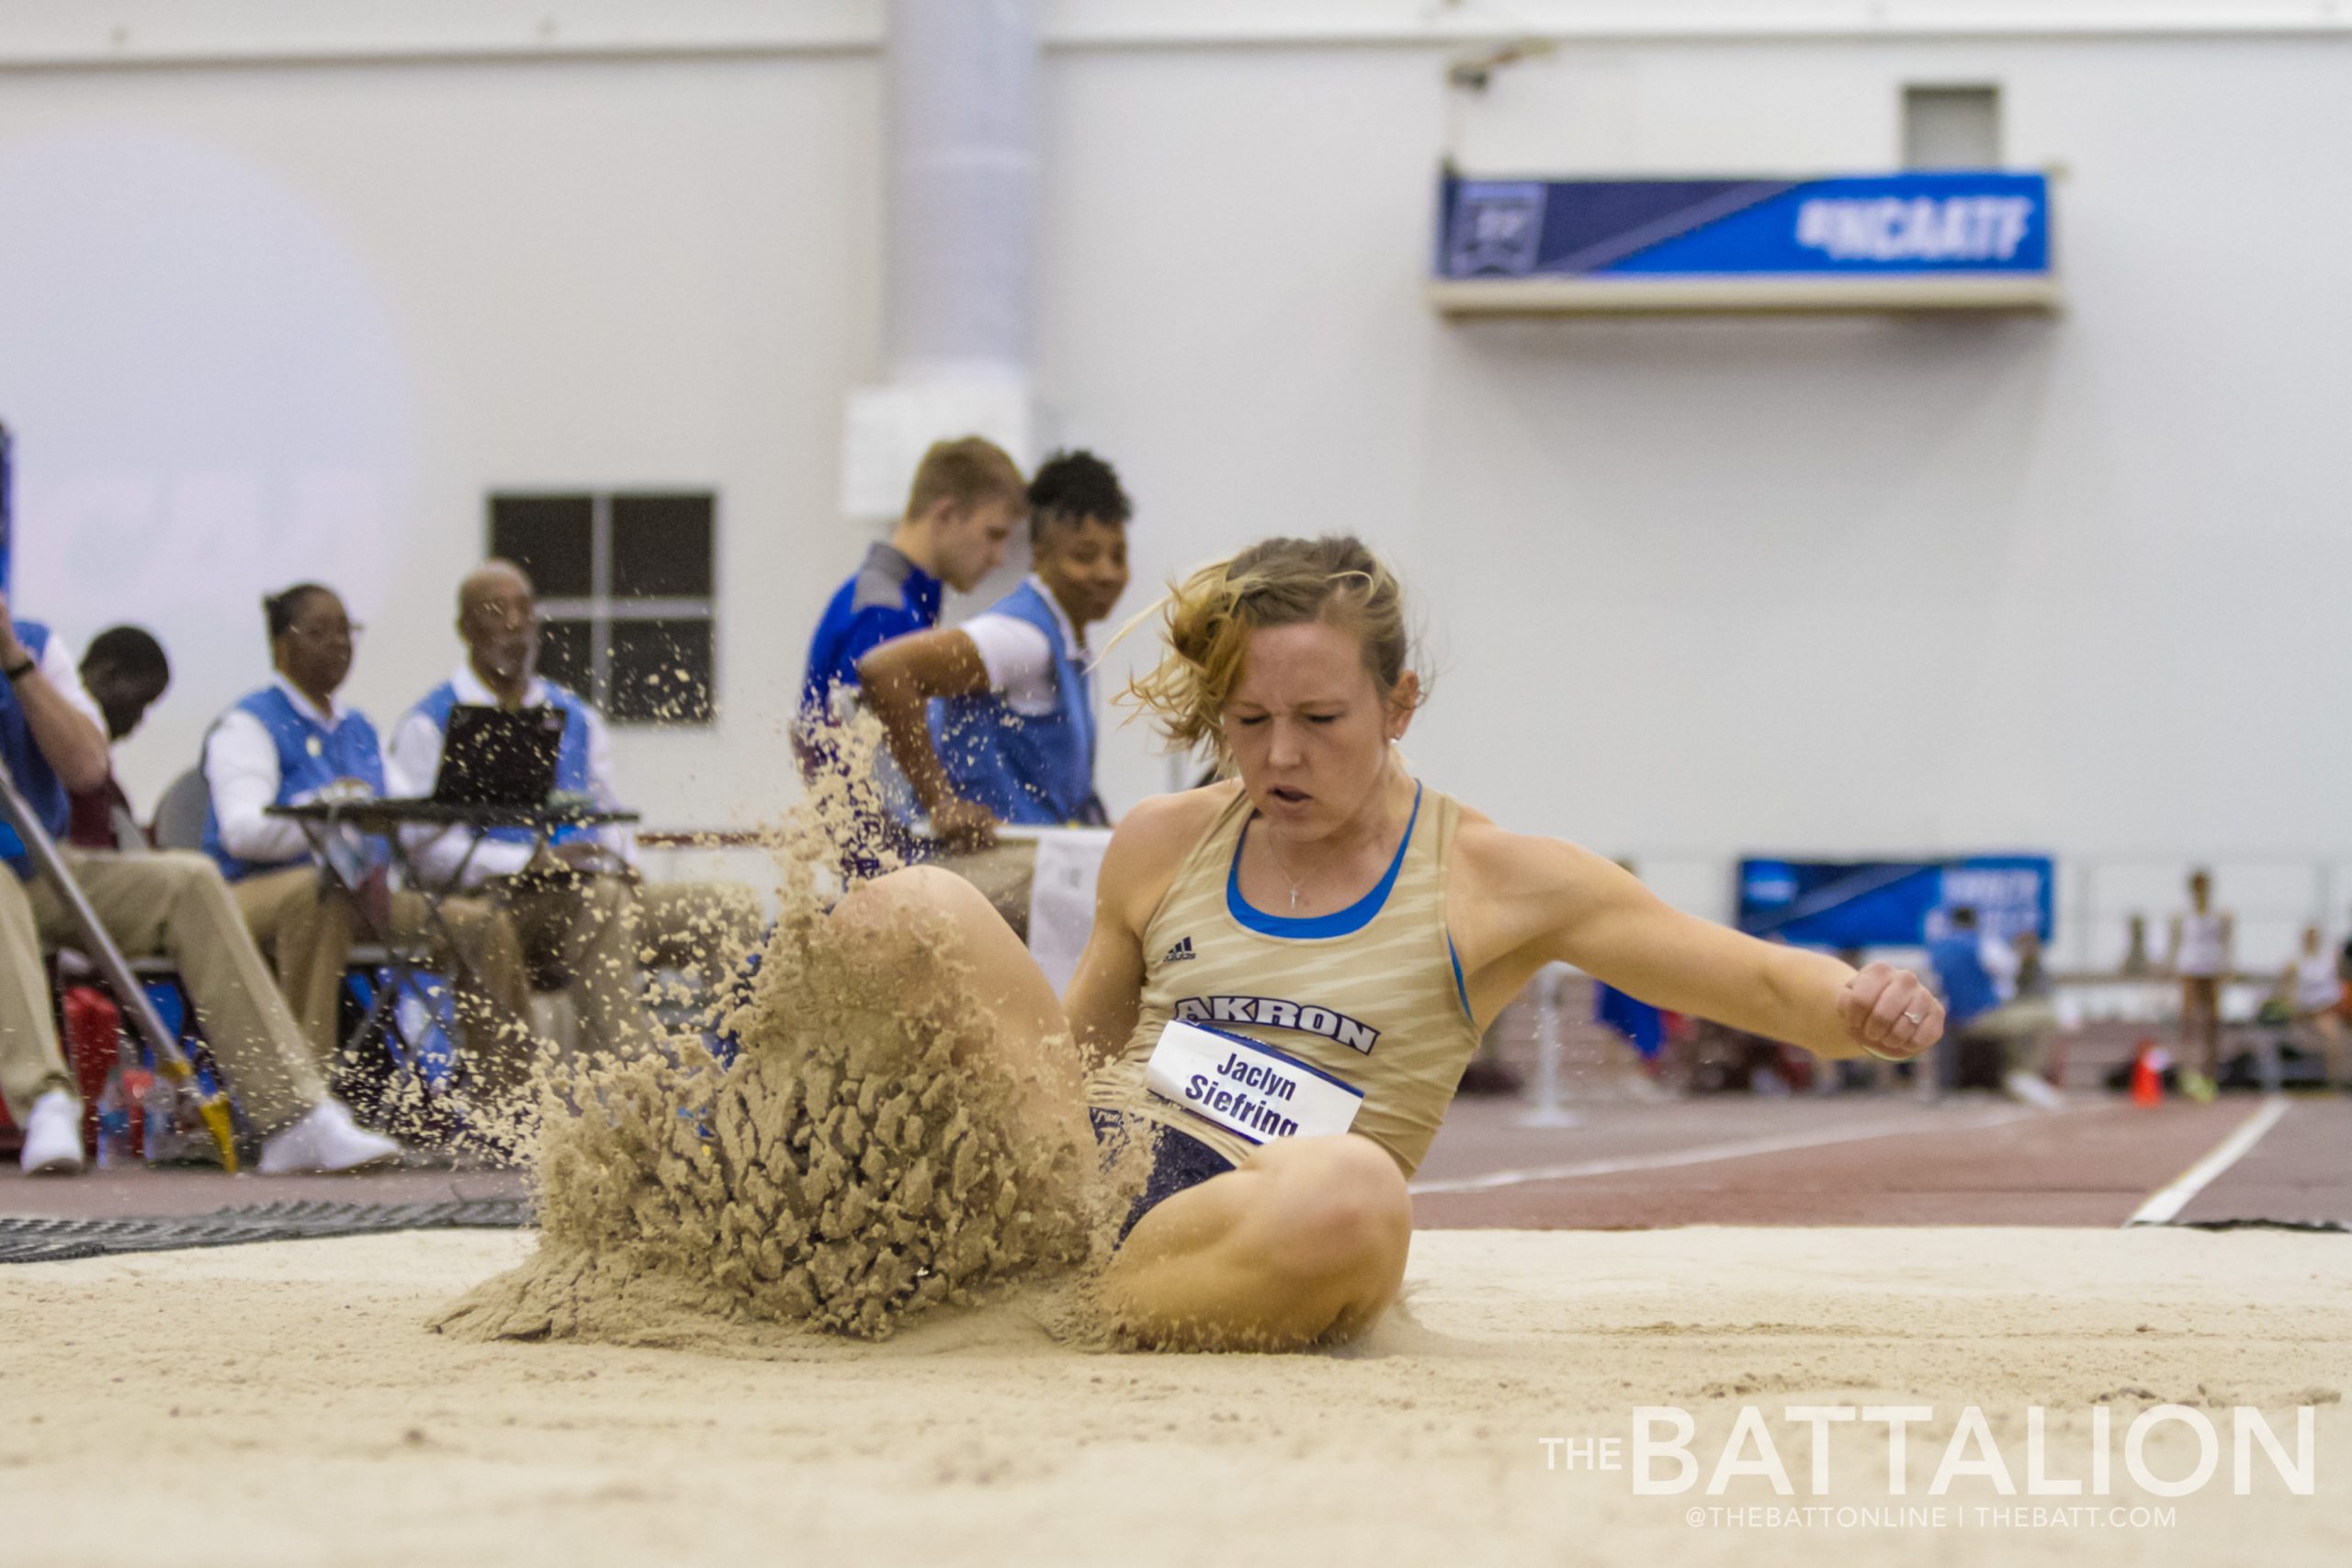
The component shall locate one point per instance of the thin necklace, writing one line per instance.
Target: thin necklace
(1283, 866)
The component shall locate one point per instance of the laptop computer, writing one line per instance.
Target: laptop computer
(498, 756)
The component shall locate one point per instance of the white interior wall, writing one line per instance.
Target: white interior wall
(377, 293)
(1694, 587)
(1842, 586)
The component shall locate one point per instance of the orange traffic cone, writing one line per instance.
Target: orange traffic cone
(2148, 1075)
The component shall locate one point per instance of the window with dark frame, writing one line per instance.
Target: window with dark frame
(624, 581)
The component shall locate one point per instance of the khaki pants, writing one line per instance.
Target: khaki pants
(583, 929)
(597, 933)
(489, 982)
(302, 922)
(170, 905)
(305, 923)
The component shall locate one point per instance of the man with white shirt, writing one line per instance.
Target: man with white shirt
(53, 743)
(1000, 711)
(577, 904)
(291, 743)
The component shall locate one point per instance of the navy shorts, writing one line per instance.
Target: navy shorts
(1178, 1159)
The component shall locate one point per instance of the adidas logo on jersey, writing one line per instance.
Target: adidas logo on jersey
(1180, 953)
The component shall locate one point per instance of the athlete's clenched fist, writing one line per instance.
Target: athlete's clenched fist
(1889, 1013)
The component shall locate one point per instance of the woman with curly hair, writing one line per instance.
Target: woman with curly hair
(1289, 967)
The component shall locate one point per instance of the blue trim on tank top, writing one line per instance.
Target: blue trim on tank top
(1459, 989)
(1342, 922)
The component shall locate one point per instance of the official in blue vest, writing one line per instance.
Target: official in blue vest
(993, 720)
(290, 743)
(1957, 958)
(170, 905)
(578, 906)
(965, 502)
(287, 744)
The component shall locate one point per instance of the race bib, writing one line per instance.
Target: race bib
(1246, 1087)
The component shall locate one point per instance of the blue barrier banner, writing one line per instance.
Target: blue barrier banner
(7, 507)
(1839, 904)
(1930, 223)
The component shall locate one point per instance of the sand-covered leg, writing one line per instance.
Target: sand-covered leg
(925, 911)
(1305, 1243)
(901, 1129)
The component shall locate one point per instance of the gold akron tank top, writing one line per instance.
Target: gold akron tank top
(1371, 995)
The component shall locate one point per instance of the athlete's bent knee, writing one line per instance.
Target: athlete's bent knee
(884, 904)
(1341, 1211)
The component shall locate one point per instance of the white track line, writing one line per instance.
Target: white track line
(1710, 1152)
(2171, 1199)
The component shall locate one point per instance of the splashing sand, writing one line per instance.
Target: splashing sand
(866, 1155)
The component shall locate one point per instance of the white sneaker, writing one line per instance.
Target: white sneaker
(2032, 1088)
(53, 1136)
(324, 1141)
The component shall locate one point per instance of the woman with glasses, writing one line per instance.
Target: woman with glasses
(290, 743)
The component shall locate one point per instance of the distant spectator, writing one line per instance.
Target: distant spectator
(2002, 963)
(1958, 959)
(2135, 949)
(2314, 993)
(2026, 1019)
(2201, 960)
(126, 673)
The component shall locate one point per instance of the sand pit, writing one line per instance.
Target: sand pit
(286, 1403)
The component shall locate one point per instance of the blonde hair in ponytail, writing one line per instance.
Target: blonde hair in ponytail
(1208, 617)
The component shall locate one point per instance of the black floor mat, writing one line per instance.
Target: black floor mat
(25, 1239)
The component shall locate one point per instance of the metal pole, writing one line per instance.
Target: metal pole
(1548, 1110)
(961, 187)
(115, 970)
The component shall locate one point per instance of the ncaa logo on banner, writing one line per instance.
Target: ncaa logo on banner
(1495, 230)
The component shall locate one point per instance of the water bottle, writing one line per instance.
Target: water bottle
(114, 1124)
(137, 1090)
(166, 1142)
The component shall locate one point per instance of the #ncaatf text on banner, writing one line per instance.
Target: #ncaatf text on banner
(1939, 240)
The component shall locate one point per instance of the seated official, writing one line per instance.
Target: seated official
(168, 905)
(993, 721)
(291, 743)
(578, 905)
(125, 672)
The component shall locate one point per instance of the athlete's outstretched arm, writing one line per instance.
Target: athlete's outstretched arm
(1534, 901)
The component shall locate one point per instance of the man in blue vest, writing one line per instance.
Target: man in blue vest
(993, 721)
(1957, 958)
(290, 743)
(578, 904)
(171, 905)
(965, 502)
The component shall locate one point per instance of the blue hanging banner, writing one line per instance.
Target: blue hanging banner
(1840, 904)
(8, 506)
(1924, 239)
